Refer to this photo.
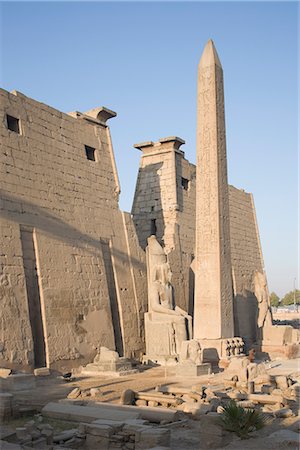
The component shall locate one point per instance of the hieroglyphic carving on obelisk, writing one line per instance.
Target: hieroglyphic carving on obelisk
(213, 305)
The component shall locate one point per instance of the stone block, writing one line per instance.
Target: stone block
(42, 372)
(65, 435)
(116, 425)
(152, 437)
(193, 370)
(87, 413)
(4, 373)
(281, 382)
(99, 430)
(96, 442)
(75, 393)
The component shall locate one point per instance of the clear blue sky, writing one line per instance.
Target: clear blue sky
(140, 59)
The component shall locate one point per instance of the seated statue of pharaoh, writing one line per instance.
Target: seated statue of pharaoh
(166, 326)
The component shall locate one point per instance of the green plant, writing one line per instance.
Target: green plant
(274, 299)
(240, 420)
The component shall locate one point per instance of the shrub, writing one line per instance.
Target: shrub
(240, 420)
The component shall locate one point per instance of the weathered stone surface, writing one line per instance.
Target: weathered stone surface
(64, 435)
(213, 305)
(67, 248)
(153, 437)
(95, 392)
(116, 425)
(86, 413)
(75, 393)
(155, 415)
(41, 372)
(99, 430)
(4, 373)
(193, 370)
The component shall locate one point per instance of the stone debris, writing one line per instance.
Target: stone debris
(79, 394)
(103, 434)
(75, 393)
(65, 435)
(4, 373)
(41, 372)
(35, 435)
(150, 399)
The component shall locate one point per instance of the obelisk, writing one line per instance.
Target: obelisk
(213, 303)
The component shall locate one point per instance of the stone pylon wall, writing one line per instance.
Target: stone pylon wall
(246, 258)
(165, 195)
(64, 242)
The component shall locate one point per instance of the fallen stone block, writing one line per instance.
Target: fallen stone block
(35, 434)
(48, 435)
(116, 425)
(88, 414)
(140, 402)
(155, 415)
(75, 393)
(267, 389)
(22, 433)
(4, 373)
(96, 442)
(75, 442)
(40, 444)
(105, 431)
(64, 435)
(193, 370)
(152, 437)
(283, 412)
(158, 398)
(95, 392)
(246, 404)
(173, 390)
(42, 372)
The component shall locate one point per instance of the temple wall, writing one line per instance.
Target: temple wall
(165, 196)
(246, 258)
(64, 242)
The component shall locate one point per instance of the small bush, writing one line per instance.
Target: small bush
(241, 421)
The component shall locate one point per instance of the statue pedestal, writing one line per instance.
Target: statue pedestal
(193, 370)
(108, 363)
(109, 366)
(163, 337)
